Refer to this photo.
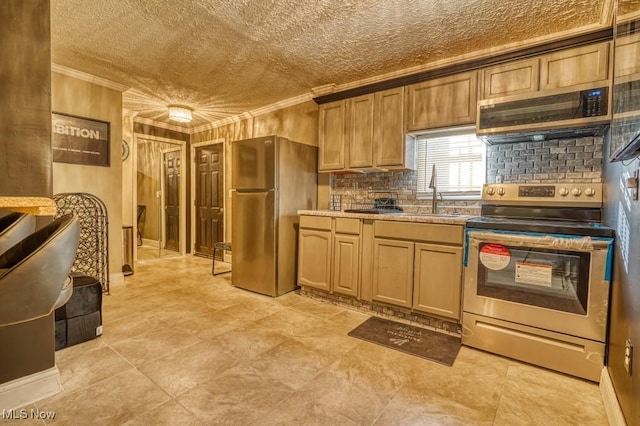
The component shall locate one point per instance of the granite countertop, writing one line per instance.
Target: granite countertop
(39, 206)
(450, 219)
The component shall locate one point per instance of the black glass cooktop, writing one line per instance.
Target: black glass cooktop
(543, 226)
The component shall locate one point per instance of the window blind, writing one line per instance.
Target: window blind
(459, 160)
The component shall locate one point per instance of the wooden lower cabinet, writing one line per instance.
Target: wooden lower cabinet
(346, 264)
(393, 271)
(413, 265)
(314, 259)
(437, 279)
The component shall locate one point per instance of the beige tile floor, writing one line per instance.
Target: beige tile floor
(147, 252)
(181, 347)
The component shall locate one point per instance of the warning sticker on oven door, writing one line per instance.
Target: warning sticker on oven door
(534, 273)
(495, 256)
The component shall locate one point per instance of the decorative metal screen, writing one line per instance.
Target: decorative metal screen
(92, 258)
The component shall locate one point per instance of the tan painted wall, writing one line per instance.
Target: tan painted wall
(25, 84)
(72, 96)
(128, 215)
(297, 123)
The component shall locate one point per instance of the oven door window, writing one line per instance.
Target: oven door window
(553, 279)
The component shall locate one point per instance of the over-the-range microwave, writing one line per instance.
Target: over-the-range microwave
(559, 113)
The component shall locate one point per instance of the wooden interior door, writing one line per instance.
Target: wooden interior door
(172, 164)
(209, 199)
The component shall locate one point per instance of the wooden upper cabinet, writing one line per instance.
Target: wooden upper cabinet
(627, 54)
(511, 79)
(442, 102)
(360, 131)
(365, 132)
(579, 65)
(331, 137)
(390, 143)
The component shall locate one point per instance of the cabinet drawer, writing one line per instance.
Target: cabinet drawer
(316, 222)
(345, 225)
(435, 232)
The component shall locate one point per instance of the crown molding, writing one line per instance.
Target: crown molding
(129, 113)
(285, 103)
(472, 56)
(607, 15)
(162, 125)
(469, 61)
(80, 75)
(223, 122)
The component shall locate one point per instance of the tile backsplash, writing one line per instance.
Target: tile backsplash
(566, 160)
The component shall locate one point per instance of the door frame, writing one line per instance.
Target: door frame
(227, 195)
(183, 188)
(163, 213)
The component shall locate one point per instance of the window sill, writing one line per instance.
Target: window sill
(451, 197)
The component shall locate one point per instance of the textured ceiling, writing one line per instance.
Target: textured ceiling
(226, 57)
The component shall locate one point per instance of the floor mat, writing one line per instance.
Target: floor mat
(428, 344)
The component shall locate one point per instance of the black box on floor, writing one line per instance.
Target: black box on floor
(80, 319)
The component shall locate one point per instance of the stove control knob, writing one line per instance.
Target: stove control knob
(490, 190)
(501, 191)
(589, 192)
(576, 191)
(563, 192)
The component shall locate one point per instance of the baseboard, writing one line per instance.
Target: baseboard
(27, 390)
(116, 278)
(610, 400)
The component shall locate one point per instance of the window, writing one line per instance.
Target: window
(460, 160)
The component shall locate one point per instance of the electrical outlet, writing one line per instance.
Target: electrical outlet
(628, 355)
(632, 185)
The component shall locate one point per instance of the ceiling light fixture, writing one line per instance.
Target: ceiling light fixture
(179, 113)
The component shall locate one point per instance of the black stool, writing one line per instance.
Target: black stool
(219, 246)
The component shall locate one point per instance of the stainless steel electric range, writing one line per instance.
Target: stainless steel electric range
(537, 275)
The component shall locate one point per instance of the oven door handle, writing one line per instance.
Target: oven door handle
(575, 243)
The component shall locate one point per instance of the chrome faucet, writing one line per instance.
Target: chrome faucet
(432, 186)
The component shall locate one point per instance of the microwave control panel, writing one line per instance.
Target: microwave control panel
(570, 194)
(594, 102)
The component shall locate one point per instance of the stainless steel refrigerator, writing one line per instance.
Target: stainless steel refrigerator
(271, 179)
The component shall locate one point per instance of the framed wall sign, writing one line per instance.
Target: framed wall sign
(80, 140)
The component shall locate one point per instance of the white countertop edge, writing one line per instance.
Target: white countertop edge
(398, 217)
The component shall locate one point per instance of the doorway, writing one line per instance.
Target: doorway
(158, 164)
(209, 200)
(171, 175)
(209, 191)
